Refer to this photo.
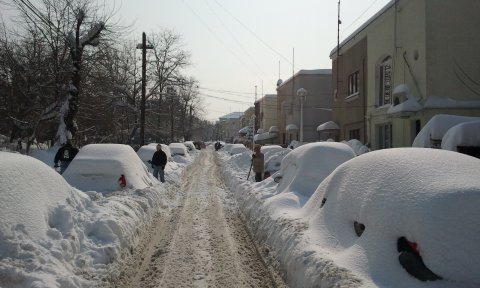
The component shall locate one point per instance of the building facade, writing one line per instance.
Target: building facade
(421, 60)
(315, 105)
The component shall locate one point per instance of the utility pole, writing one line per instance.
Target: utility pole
(338, 50)
(144, 48)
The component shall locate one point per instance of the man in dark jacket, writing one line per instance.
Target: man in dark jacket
(159, 160)
(258, 163)
(65, 155)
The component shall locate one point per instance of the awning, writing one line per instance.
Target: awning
(330, 125)
(291, 128)
(273, 129)
(264, 136)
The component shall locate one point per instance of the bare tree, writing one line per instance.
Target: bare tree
(77, 24)
(166, 65)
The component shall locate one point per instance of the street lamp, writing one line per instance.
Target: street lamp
(302, 94)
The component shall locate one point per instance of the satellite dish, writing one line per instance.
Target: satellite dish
(279, 82)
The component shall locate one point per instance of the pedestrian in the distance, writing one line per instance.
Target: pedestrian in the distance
(258, 163)
(159, 161)
(65, 155)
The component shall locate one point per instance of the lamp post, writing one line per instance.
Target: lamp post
(302, 94)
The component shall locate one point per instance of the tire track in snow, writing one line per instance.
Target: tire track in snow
(203, 243)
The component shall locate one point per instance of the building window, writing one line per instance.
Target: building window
(385, 82)
(353, 83)
(354, 134)
(384, 133)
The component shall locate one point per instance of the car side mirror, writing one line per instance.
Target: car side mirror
(277, 179)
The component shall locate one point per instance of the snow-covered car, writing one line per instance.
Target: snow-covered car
(190, 146)
(273, 160)
(145, 153)
(199, 145)
(269, 149)
(432, 133)
(36, 188)
(227, 147)
(304, 168)
(178, 149)
(99, 167)
(394, 212)
(463, 138)
(237, 149)
(165, 149)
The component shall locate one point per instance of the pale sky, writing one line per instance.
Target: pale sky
(236, 45)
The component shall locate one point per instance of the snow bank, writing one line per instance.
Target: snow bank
(53, 235)
(429, 196)
(98, 167)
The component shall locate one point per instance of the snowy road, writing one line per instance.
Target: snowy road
(202, 243)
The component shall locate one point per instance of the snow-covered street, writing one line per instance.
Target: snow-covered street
(308, 225)
(201, 243)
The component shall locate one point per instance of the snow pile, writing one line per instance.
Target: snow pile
(393, 192)
(98, 167)
(53, 235)
(46, 156)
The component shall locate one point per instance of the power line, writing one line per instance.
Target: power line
(363, 13)
(231, 93)
(218, 38)
(254, 34)
(235, 38)
(226, 91)
(225, 99)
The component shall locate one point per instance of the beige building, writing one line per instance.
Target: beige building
(229, 126)
(314, 104)
(421, 60)
(267, 116)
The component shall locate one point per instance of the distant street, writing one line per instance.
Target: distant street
(202, 243)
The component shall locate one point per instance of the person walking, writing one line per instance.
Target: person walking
(65, 155)
(258, 163)
(159, 160)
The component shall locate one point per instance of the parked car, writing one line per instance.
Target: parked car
(273, 160)
(145, 153)
(406, 210)
(100, 167)
(178, 149)
(199, 145)
(165, 149)
(237, 149)
(190, 146)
